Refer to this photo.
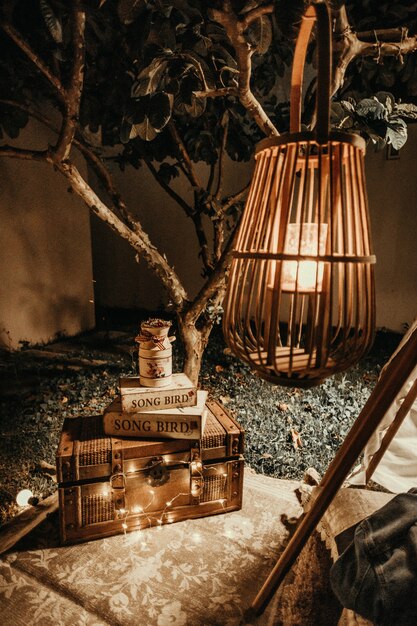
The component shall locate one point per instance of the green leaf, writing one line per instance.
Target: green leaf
(129, 10)
(125, 131)
(52, 22)
(387, 99)
(259, 34)
(371, 108)
(407, 111)
(195, 107)
(147, 116)
(167, 172)
(159, 110)
(396, 133)
(144, 131)
(149, 78)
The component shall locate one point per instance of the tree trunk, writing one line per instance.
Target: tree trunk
(194, 341)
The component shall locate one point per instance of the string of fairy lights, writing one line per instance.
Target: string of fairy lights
(163, 517)
(24, 497)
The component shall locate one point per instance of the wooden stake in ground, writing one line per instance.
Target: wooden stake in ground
(22, 524)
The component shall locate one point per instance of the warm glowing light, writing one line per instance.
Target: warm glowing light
(168, 503)
(23, 497)
(196, 537)
(303, 239)
(229, 533)
(137, 509)
(122, 511)
(124, 526)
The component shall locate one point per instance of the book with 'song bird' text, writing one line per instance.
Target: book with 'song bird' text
(172, 423)
(136, 398)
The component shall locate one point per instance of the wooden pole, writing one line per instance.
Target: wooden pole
(22, 524)
(388, 386)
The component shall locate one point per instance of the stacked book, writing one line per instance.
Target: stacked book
(175, 411)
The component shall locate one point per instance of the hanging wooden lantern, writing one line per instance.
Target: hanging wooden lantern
(300, 299)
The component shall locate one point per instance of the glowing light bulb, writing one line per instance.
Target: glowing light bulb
(124, 526)
(137, 509)
(304, 239)
(122, 511)
(168, 503)
(23, 497)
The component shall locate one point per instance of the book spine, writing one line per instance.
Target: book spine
(138, 425)
(157, 399)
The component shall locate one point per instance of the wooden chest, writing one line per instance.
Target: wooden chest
(110, 485)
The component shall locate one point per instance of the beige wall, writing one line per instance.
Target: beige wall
(392, 191)
(123, 283)
(45, 254)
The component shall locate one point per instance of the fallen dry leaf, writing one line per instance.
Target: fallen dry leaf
(282, 406)
(225, 399)
(219, 368)
(296, 439)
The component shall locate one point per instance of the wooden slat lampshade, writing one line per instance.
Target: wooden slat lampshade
(300, 299)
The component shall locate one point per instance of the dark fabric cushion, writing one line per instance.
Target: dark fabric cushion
(376, 575)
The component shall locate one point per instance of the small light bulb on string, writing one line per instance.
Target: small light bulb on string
(23, 497)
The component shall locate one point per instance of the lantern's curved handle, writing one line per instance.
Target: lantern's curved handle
(315, 12)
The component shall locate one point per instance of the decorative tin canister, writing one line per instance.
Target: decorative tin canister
(155, 353)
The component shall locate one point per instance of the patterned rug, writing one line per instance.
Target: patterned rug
(200, 572)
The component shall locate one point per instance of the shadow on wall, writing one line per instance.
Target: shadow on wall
(45, 257)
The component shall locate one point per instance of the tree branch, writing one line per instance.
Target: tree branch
(136, 237)
(218, 225)
(349, 45)
(73, 92)
(221, 92)
(202, 240)
(216, 284)
(235, 198)
(27, 109)
(21, 153)
(190, 172)
(235, 27)
(211, 177)
(36, 60)
(187, 208)
(225, 126)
